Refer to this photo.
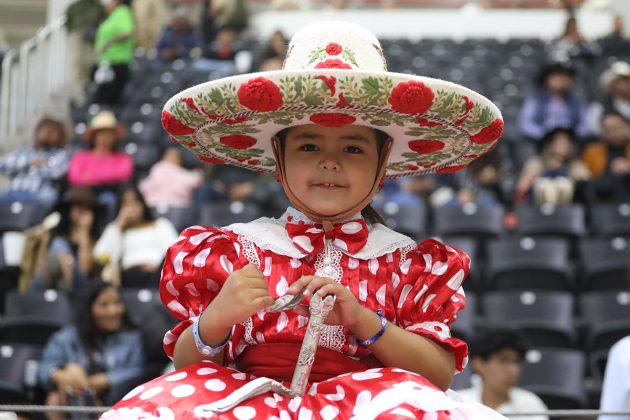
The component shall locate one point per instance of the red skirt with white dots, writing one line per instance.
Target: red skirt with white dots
(379, 393)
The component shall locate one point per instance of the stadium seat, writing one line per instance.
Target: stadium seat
(18, 366)
(408, 219)
(549, 220)
(463, 379)
(469, 220)
(464, 326)
(610, 219)
(544, 317)
(140, 303)
(17, 216)
(606, 315)
(605, 263)
(223, 213)
(180, 217)
(556, 376)
(32, 318)
(528, 263)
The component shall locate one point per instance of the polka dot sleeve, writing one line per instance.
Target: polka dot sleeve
(195, 268)
(429, 294)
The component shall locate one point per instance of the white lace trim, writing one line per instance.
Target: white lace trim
(249, 250)
(404, 251)
(328, 264)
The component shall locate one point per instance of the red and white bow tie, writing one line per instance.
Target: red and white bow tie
(349, 236)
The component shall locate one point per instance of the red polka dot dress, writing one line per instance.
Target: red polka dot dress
(416, 286)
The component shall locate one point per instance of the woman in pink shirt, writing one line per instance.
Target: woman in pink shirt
(101, 165)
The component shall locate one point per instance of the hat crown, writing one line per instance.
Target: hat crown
(104, 119)
(337, 45)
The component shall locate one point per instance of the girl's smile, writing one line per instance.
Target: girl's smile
(330, 169)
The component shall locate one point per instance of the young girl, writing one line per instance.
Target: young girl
(332, 124)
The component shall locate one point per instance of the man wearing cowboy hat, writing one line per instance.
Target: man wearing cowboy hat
(614, 84)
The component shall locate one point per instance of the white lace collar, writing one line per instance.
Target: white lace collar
(269, 234)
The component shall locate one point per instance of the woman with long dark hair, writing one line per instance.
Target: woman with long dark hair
(135, 241)
(98, 358)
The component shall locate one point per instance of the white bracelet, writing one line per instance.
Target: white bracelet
(203, 348)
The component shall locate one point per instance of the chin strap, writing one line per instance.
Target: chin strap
(328, 220)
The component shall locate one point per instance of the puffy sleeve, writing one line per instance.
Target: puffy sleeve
(429, 294)
(195, 268)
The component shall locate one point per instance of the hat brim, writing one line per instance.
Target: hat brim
(121, 131)
(436, 126)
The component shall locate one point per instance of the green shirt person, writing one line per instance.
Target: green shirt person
(115, 36)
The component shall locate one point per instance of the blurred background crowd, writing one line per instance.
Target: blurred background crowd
(94, 200)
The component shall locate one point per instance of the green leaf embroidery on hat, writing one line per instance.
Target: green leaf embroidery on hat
(348, 55)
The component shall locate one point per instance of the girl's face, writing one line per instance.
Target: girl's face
(132, 205)
(330, 169)
(108, 310)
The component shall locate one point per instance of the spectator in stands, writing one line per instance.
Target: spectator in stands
(496, 356)
(102, 167)
(98, 359)
(224, 48)
(614, 83)
(135, 242)
(555, 105)
(151, 16)
(617, 32)
(178, 39)
(82, 19)
(168, 183)
(571, 44)
(275, 49)
(36, 173)
(228, 183)
(552, 175)
(229, 14)
(114, 49)
(616, 386)
(609, 160)
(68, 264)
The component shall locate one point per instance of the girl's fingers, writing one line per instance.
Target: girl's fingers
(328, 289)
(262, 302)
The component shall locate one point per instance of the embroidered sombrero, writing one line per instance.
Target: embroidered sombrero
(335, 74)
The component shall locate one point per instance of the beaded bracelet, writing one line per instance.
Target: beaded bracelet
(378, 335)
(203, 348)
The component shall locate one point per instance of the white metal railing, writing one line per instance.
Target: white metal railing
(41, 68)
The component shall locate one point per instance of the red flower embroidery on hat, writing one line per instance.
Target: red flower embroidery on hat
(173, 126)
(330, 82)
(191, 104)
(210, 159)
(411, 97)
(253, 162)
(469, 105)
(342, 103)
(490, 133)
(260, 94)
(238, 142)
(332, 119)
(333, 63)
(189, 144)
(412, 167)
(426, 123)
(450, 169)
(425, 146)
(236, 120)
(333, 49)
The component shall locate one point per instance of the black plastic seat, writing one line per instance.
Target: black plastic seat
(18, 216)
(469, 220)
(224, 213)
(545, 318)
(556, 376)
(407, 219)
(180, 217)
(464, 326)
(140, 303)
(548, 220)
(605, 263)
(606, 315)
(611, 219)
(18, 366)
(528, 263)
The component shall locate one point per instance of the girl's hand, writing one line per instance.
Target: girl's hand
(347, 311)
(243, 294)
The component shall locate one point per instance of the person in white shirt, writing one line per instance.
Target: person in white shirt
(496, 357)
(616, 386)
(135, 241)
